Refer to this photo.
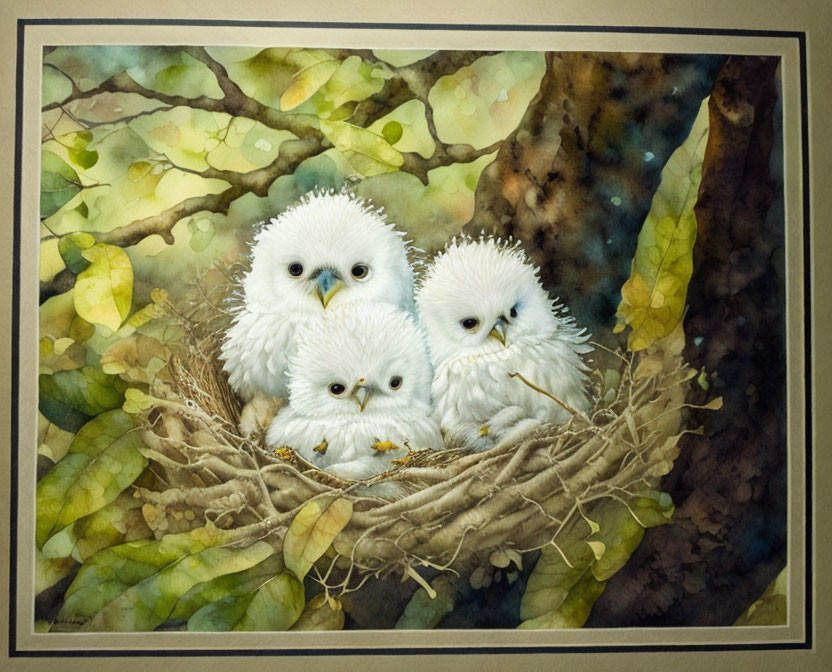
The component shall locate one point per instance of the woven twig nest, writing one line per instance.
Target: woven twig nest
(455, 510)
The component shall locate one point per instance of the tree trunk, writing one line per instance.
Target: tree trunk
(728, 541)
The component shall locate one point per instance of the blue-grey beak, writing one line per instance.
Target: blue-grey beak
(328, 284)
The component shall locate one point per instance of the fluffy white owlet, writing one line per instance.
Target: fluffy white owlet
(487, 316)
(359, 393)
(327, 253)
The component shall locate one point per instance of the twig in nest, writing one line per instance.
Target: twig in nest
(551, 396)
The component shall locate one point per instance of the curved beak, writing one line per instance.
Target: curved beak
(361, 393)
(498, 331)
(328, 284)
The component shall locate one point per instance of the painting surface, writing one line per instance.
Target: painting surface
(647, 188)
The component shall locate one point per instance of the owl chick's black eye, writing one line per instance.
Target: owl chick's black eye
(295, 269)
(469, 323)
(395, 382)
(513, 312)
(360, 271)
(336, 389)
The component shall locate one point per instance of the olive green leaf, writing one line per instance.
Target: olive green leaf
(653, 298)
(237, 584)
(58, 184)
(102, 461)
(275, 605)
(114, 570)
(574, 610)
(321, 613)
(570, 573)
(71, 247)
(772, 607)
(312, 531)
(104, 290)
(71, 398)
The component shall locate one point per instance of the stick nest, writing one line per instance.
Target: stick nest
(454, 510)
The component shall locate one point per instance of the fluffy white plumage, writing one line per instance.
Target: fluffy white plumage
(486, 316)
(359, 377)
(328, 252)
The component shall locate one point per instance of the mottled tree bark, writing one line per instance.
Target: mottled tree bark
(575, 180)
(728, 541)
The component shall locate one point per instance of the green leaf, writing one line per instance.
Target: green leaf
(276, 605)
(55, 86)
(111, 572)
(102, 461)
(71, 248)
(58, 184)
(237, 584)
(71, 398)
(368, 152)
(104, 290)
(424, 612)
(312, 531)
(149, 603)
(653, 298)
(556, 572)
(574, 610)
(321, 613)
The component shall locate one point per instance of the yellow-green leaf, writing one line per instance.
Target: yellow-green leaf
(653, 298)
(772, 607)
(104, 290)
(312, 531)
(102, 461)
(48, 571)
(306, 83)
(368, 152)
(321, 613)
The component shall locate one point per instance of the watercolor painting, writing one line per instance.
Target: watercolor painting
(342, 339)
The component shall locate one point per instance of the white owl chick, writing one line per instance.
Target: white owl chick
(328, 252)
(487, 316)
(359, 393)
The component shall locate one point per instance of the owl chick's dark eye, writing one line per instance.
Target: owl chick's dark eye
(395, 382)
(336, 389)
(469, 323)
(360, 271)
(513, 312)
(295, 269)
